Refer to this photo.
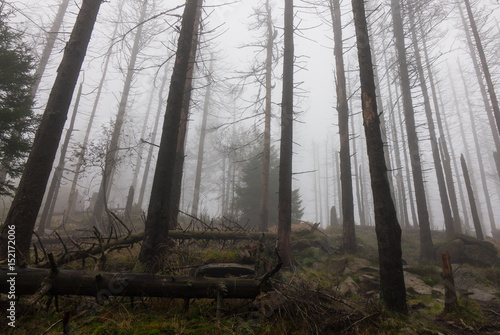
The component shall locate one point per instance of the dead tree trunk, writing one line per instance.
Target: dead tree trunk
(81, 156)
(50, 202)
(181, 145)
(484, 94)
(147, 166)
(472, 201)
(479, 157)
(112, 151)
(26, 204)
(426, 245)
(451, 301)
(201, 144)
(484, 64)
(286, 144)
(103, 285)
(388, 231)
(443, 192)
(266, 152)
(348, 224)
(47, 50)
(159, 212)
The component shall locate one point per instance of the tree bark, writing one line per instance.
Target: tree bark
(286, 145)
(103, 285)
(28, 198)
(112, 150)
(451, 301)
(160, 216)
(388, 231)
(472, 201)
(443, 192)
(47, 50)
(50, 202)
(426, 245)
(348, 224)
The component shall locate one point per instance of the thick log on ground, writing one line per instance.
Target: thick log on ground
(104, 284)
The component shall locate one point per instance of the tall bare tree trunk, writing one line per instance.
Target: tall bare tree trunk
(72, 194)
(47, 50)
(484, 64)
(112, 151)
(479, 157)
(266, 153)
(26, 204)
(426, 245)
(160, 204)
(286, 151)
(201, 143)
(388, 231)
(348, 225)
(50, 202)
(472, 201)
(181, 145)
(443, 192)
(147, 166)
(484, 94)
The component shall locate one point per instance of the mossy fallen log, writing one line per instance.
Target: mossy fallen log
(101, 285)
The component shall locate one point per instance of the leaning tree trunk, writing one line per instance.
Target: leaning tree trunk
(266, 151)
(26, 204)
(426, 245)
(484, 94)
(47, 50)
(112, 151)
(160, 204)
(50, 202)
(484, 64)
(286, 144)
(388, 231)
(349, 233)
(438, 167)
(181, 145)
(472, 201)
(201, 144)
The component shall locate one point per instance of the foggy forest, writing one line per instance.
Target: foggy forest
(249, 167)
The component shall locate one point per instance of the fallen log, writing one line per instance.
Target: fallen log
(134, 238)
(102, 285)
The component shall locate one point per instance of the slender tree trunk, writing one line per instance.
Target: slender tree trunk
(266, 153)
(337, 179)
(388, 231)
(286, 144)
(81, 156)
(479, 157)
(181, 145)
(446, 154)
(147, 166)
(482, 87)
(26, 204)
(327, 187)
(472, 201)
(159, 212)
(47, 50)
(397, 153)
(112, 151)
(426, 245)
(348, 225)
(50, 202)
(201, 144)
(484, 64)
(443, 192)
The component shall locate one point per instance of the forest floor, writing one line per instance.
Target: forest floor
(327, 293)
